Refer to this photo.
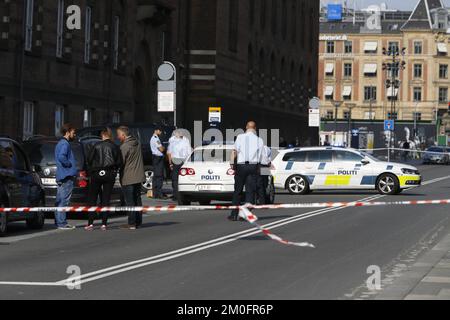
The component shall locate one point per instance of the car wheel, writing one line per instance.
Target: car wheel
(183, 200)
(148, 184)
(297, 185)
(270, 193)
(387, 184)
(38, 220)
(205, 202)
(3, 222)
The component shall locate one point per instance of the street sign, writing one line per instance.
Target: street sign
(314, 118)
(166, 101)
(314, 103)
(215, 115)
(389, 125)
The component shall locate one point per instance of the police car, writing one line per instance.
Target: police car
(207, 176)
(326, 168)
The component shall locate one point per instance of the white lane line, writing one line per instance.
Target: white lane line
(114, 270)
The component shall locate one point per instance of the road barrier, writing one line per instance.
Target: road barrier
(244, 211)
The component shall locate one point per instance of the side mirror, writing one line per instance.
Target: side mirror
(365, 162)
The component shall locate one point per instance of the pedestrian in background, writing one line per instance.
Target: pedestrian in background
(264, 174)
(131, 175)
(66, 174)
(158, 163)
(104, 163)
(246, 153)
(178, 151)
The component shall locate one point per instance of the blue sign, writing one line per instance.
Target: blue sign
(334, 12)
(389, 125)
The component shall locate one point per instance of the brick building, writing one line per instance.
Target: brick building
(254, 58)
(258, 60)
(351, 70)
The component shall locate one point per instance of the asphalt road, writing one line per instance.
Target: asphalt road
(201, 255)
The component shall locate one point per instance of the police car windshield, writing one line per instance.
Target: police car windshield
(211, 155)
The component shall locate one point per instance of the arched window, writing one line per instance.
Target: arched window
(274, 16)
(294, 21)
(251, 13)
(263, 10)
(284, 19)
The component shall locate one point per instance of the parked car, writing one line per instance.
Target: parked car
(42, 155)
(143, 132)
(20, 186)
(437, 155)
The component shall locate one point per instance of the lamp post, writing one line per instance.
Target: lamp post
(337, 104)
(394, 66)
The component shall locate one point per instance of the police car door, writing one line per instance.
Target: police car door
(350, 172)
(319, 167)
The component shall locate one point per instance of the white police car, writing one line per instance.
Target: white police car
(302, 170)
(207, 176)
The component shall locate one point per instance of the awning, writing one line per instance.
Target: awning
(392, 92)
(371, 46)
(329, 68)
(442, 47)
(370, 68)
(347, 92)
(329, 91)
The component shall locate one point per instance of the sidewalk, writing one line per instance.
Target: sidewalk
(427, 279)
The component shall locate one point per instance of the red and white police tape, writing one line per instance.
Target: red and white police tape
(244, 211)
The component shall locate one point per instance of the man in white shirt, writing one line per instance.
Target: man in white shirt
(179, 150)
(245, 160)
(158, 163)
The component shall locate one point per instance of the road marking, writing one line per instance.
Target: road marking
(137, 264)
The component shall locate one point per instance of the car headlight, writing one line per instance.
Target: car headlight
(410, 171)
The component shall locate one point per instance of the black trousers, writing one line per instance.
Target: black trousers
(158, 176)
(175, 171)
(132, 197)
(101, 186)
(246, 175)
(262, 183)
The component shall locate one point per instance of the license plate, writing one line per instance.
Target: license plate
(48, 181)
(209, 188)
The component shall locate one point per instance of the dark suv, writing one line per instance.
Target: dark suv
(42, 155)
(20, 186)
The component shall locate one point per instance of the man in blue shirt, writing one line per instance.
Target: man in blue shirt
(66, 174)
(158, 163)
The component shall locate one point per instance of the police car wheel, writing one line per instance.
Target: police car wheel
(183, 200)
(388, 184)
(270, 192)
(297, 185)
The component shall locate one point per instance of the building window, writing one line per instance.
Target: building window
(368, 115)
(330, 115)
(263, 13)
(29, 25)
(443, 71)
(116, 43)
(59, 119)
(117, 117)
(329, 93)
(87, 118)
(233, 25)
(28, 119)
(417, 116)
(329, 69)
(418, 47)
(87, 35)
(417, 71)
(60, 30)
(417, 94)
(393, 46)
(370, 93)
(348, 47)
(274, 17)
(330, 46)
(443, 95)
(347, 115)
(392, 116)
(348, 69)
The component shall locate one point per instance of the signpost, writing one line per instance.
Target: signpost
(215, 116)
(167, 89)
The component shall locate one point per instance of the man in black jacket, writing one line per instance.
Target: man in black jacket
(104, 162)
